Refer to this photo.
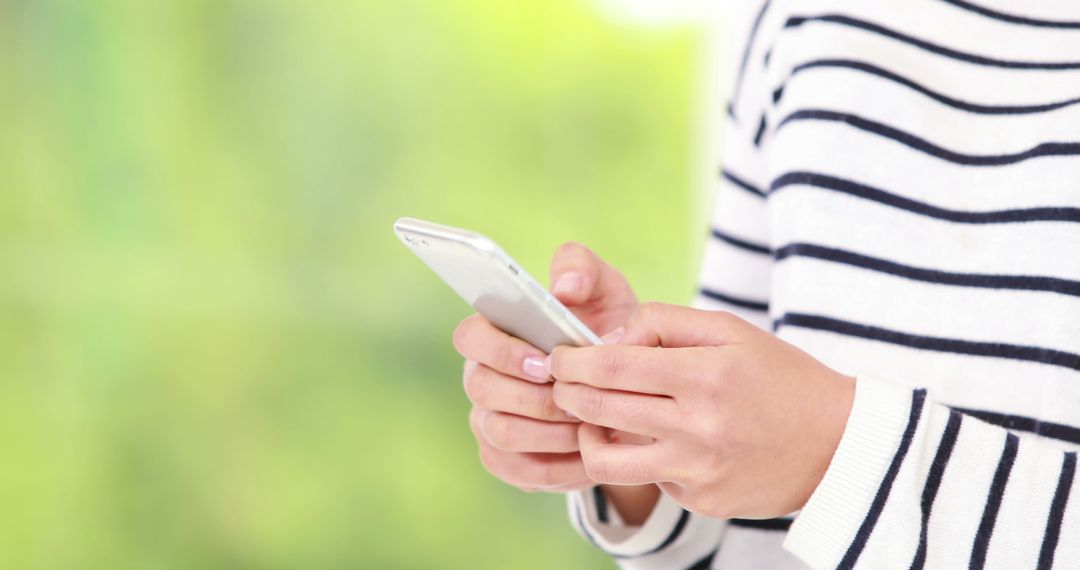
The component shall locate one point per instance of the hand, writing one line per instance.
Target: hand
(524, 438)
(743, 423)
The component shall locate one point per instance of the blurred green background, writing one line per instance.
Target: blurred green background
(213, 352)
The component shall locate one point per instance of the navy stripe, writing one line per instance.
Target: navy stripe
(1057, 511)
(675, 533)
(933, 482)
(796, 21)
(993, 502)
(760, 130)
(741, 183)
(1016, 215)
(736, 301)
(1012, 18)
(777, 524)
(918, 398)
(746, 58)
(977, 280)
(740, 243)
(939, 97)
(922, 145)
(584, 529)
(704, 563)
(938, 344)
(672, 537)
(778, 93)
(1038, 427)
(601, 504)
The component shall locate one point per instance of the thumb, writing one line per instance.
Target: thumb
(593, 290)
(675, 326)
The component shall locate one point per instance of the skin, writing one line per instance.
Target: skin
(727, 419)
(524, 438)
(742, 423)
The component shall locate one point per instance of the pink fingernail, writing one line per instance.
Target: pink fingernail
(547, 365)
(567, 284)
(535, 370)
(614, 336)
(571, 416)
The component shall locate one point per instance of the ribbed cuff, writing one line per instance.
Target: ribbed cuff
(827, 525)
(622, 541)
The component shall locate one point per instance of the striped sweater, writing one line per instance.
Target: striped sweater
(900, 197)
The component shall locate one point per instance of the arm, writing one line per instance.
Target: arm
(885, 477)
(735, 276)
(915, 484)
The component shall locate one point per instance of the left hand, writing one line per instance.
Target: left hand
(742, 423)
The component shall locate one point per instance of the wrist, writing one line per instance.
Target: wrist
(634, 503)
(833, 415)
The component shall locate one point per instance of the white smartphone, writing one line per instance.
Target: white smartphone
(494, 284)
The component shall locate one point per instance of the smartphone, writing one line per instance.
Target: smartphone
(494, 284)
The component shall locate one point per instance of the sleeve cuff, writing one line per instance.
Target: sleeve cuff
(827, 525)
(663, 527)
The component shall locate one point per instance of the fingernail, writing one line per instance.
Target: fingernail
(614, 336)
(547, 365)
(568, 283)
(470, 365)
(535, 370)
(571, 416)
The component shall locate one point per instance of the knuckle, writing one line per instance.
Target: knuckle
(590, 403)
(733, 324)
(504, 356)
(495, 463)
(650, 308)
(547, 475)
(545, 406)
(474, 421)
(599, 470)
(610, 364)
(499, 431)
(715, 430)
(490, 460)
(477, 387)
(728, 319)
(645, 313)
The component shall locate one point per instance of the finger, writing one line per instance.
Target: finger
(581, 485)
(477, 339)
(615, 463)
(508, 432)
(674, 326)
(540, 471)
(589, 286)
(646, 370)
(493, 390)
(636, 413)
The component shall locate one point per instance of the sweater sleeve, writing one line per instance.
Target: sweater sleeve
(734, 276)
(915, 484)
(671, 537)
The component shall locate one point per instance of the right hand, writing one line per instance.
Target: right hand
(524, 438)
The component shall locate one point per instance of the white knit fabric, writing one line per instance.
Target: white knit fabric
(901, 199)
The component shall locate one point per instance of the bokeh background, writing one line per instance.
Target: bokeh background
(213, 352)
